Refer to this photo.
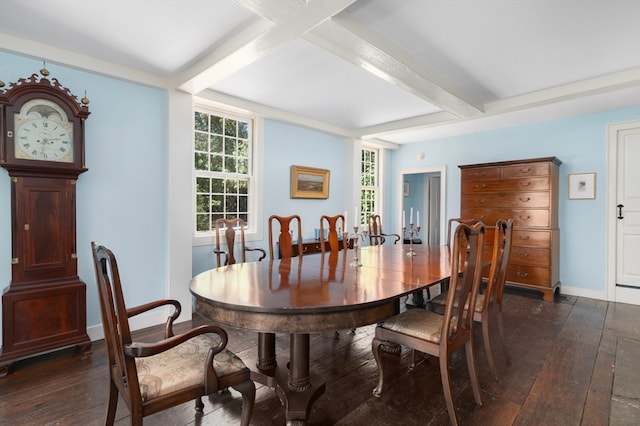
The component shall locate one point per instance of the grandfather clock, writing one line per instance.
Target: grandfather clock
(42, 148)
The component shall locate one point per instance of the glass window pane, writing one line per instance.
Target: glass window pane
(231, 186)
(230, 146)
(202, 223)
(216, 124)
(217, 186)
(216, 163)
(203, 184)
(200, 161)
(230, 165)
(230, 127)
(200, 142)
(202, 203)
(243, 130)
(216, 144)
(201, 120)
(217, 203)
(232, 203)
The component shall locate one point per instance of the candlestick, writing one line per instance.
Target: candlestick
(346, 222)
(411, 216)
(403, 219)
(357, 218)
(418, 218)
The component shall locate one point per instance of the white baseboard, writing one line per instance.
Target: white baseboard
(582, 292)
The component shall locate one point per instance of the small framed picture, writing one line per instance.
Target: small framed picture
(582, 186)
(309, 182)
(406, 189)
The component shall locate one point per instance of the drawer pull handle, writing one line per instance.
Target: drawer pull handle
(522, 274)
(480, 200)
(522, 254)
(481, 173)
(525, 183)
(525, 169)
(524, 217)
(524, 237)
(525, 200)
(480, 185)
(480, 218)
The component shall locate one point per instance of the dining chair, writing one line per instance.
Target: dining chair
(489, 303)
(441, 335)
(376, 236)
(285, 239)
(151, 377)
(455, 221)
(228, 228)
(335, 234)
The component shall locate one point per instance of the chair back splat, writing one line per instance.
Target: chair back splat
(441, 335)
(333, 224)
(144, 374)
(285, 240)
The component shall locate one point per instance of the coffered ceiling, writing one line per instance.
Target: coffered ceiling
(399, 71)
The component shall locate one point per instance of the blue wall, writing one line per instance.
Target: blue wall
(580, 142)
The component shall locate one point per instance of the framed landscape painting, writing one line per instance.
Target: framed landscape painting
(309, 182)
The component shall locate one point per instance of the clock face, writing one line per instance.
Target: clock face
(43, 132)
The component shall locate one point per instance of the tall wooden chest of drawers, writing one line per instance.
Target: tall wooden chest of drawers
(527, 192)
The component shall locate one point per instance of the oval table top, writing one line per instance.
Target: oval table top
(318, 292)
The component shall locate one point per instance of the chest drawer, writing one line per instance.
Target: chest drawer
(541, 183)
(537, 218)
(481, 173)
(506, 199)
(531, 238)
(525, 274)
(530, 256)
(526, 169)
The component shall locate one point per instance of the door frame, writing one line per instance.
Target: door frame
(614, 293)
(443, 190)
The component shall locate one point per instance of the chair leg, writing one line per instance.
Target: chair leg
(503, 339)
(473, 374)
(487, 347)
(112, 404)
(248, 391)
(446, 389)
(199, 405)
(376, 348)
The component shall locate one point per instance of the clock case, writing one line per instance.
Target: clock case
(44, 306)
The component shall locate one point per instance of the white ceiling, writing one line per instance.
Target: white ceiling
(397, 71)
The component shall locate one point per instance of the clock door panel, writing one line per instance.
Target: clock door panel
(44, 251)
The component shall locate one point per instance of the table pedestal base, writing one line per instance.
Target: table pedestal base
(296, 386)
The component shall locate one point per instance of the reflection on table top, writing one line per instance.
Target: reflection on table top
(322, 283)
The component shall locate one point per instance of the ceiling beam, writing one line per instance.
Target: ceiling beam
(357, 44)
(256, 43)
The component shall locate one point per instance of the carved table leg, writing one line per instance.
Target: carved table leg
(266, 363)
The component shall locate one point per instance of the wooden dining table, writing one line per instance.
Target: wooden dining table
(310, 294)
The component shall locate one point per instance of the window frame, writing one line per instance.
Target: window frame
(254, 230)
(377, 188)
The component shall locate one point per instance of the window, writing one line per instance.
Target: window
(223, 169)
(370, 191)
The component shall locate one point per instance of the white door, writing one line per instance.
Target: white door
(627, 211)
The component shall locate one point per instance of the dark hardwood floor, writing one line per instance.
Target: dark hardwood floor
(574, 363)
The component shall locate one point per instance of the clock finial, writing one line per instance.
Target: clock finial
(44, 71)
(85, 100)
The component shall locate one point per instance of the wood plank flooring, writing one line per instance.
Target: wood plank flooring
(574, 363)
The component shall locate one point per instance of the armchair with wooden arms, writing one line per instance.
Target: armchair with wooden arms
(228, 227)
(376, 236)
(151, 377)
